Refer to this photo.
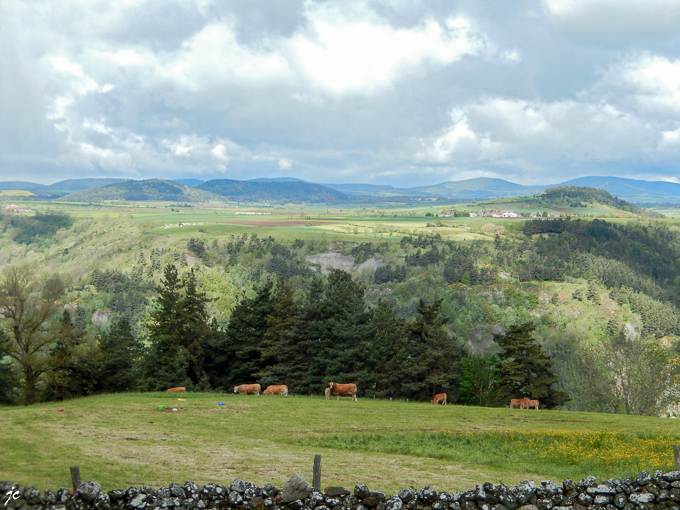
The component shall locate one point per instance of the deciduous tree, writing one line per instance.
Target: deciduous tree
(28, 303)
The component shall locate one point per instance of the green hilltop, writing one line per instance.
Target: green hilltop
(134, 191)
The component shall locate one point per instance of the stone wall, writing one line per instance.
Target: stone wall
(646, 492)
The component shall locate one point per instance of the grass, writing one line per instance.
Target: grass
(122, 440)
(560, 454)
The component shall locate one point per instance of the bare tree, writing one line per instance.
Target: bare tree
(27, 305)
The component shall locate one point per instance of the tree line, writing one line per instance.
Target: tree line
(272, 337)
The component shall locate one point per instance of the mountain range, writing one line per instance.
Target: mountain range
(290, 189)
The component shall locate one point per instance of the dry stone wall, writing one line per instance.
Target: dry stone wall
(660, 491)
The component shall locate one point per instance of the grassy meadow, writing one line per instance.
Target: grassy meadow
(124, 439)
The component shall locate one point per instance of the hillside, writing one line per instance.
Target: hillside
(132, 191)
(375, 190)
(22, 185)
(71, 185)
(632, 190)
(479, 188)
(265, 191)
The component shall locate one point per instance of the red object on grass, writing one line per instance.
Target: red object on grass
(59, 409)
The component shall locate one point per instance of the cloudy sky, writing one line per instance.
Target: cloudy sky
(400, 92)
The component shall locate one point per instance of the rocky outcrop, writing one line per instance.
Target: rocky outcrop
(660, 491)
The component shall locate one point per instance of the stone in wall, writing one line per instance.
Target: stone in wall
(658, 491)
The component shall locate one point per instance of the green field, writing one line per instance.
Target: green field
(122, 440)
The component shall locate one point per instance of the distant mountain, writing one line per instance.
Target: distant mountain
(71, 185)
(192, 183)
(274, 191)
(482, 188)
(59, 188)
(277, 179)
(632, 190)
(151, 189)
(21, 185)
(375, 190)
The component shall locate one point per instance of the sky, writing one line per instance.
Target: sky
(395, 92)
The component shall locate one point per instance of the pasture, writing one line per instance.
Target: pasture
(124, 439)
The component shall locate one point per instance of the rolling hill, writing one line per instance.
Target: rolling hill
(376, 190)
(274, 191)
(293, 190)
(151, 189)
(632, 190)
(479, 188)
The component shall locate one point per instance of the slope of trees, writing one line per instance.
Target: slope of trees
(253, 310)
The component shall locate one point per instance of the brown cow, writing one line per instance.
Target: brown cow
(439, 398)
(532, 403)
(247, 389)
(343, 389)
(274, 389)
(327, 391)
(523, 403)
(179, 389)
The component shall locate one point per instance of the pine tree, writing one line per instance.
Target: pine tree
(386, 354)
(197, 330)
(238, 353)
(526, 370)
(341, 331)
(121, 351)
(61, 357)
(285, 359)
(434, 362)
(165, 365)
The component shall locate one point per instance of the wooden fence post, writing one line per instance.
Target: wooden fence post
(676, 454)
(75, 477)
(316, 478)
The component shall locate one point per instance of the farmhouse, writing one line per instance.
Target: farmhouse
(501, 215)
(16, 208)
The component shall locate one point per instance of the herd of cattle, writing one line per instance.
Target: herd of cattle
(347, 390)
(281, 389)
(523, 403)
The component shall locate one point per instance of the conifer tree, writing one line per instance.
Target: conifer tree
(165, 364)
(386, 354)
(526, 370)
(434, 361)
(120, 350)
(285, 359)
(341, 331)
(239, 353)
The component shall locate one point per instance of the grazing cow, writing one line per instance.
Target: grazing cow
(247, 389)
(276, 389)
(327, 391)
(523, 403)
(532, 403)
(179, 389)
(343, 389)
(439, 398)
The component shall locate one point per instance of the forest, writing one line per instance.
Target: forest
(580, 314)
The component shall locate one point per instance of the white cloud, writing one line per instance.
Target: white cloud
(342, 54)
(285, 164)
(651, 82)
(498, 129)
